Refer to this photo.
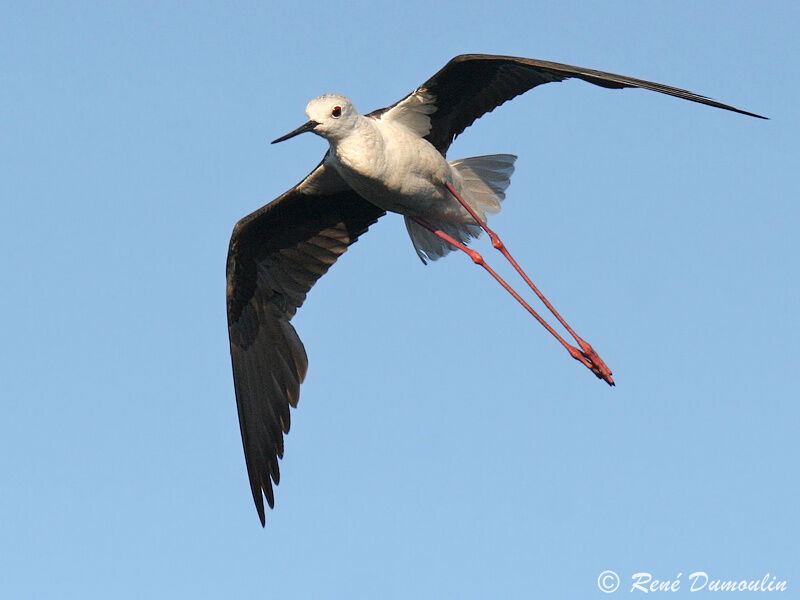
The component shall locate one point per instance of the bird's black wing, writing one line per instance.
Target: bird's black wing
(471, 85)
(276, 254)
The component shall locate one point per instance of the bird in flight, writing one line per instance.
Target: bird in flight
(392, 159)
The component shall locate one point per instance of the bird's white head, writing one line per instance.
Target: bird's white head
(331, 116)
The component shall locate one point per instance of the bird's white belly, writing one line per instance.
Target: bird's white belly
(398, 172)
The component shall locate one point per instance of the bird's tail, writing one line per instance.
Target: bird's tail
(482, 182)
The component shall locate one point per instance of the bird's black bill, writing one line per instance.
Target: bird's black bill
(302, 129)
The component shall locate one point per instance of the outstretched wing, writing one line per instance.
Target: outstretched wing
(471, 85)
(276, 254)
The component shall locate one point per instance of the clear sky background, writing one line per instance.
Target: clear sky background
(444, 446)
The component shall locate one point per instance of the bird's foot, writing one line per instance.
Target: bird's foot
(592, 361)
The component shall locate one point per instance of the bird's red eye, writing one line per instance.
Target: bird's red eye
(336, 112)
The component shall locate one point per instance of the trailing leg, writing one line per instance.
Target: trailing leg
(577, 354)
(586, 348)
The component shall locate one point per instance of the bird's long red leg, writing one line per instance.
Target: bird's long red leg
(586, 348)
(478, 260)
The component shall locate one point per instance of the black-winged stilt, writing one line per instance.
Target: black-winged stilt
(392, 159)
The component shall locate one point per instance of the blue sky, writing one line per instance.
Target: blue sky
(444, 446)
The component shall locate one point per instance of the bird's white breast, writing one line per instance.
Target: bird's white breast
(392, 167)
